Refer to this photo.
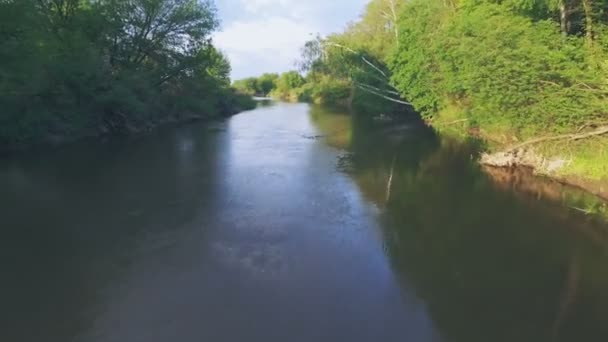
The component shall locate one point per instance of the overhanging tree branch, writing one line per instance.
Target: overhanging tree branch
(371, 91)
(365, 60)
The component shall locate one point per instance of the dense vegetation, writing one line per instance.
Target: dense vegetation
(505, 70)
(508, 64)
(346, 69)
(258, 86)
(288, 86)
(75, 68)
(527, 66)
(510, 71)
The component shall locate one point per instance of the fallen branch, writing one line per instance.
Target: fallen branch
(572, 137)
(587, 212)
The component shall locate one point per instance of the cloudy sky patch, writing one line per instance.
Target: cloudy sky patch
(266, 35)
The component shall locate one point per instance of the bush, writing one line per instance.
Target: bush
(77, 68)
(500, 67)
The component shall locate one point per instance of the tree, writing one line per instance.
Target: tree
(266, 83)
(247, 86)
(498, 65)
(290, 80)
(73, 68)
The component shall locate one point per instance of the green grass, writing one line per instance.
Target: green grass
(586, 158)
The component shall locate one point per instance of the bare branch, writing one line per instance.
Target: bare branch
(572, 137)
(393, 9)
(383, 96)
(362, 57)
(378, 89)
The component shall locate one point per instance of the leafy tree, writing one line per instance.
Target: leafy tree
(247, 86)
(74, 68)
(290, 80)
(499, 66)
(261, 86)
(266, 83)
(356, 60)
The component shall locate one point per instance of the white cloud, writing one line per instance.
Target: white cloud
(267, 35)
(272, 44)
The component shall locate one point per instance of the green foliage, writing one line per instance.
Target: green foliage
(72, 68)
(413, 63)
(350, 68)
(498, 66)
(247, 86)
(259, 86)
(289, 80)
(329, 91)
(289, 86)
(376, 32)
(234, 101)
(347, 69)
(267, 83)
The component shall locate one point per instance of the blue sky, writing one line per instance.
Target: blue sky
(266, 35)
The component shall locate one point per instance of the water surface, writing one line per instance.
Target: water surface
(290, 223)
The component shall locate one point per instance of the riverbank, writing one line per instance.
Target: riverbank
(581, 163)
(227, 106)
(580, 160)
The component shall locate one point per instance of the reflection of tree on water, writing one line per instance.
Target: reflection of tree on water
(568, 298)
(82, 216)
(335, 126)
(491, 264)
(526, 183)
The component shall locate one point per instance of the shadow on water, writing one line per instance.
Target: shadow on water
(75, 220)
(493, 262)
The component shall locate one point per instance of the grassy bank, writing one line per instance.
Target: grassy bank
(582, 163)
(529, 78)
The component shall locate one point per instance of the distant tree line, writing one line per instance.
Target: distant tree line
(258, 86)
(292, 86)
(76, 68)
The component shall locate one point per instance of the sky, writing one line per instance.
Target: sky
(260, 36)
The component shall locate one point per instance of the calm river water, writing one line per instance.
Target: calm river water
(293, 223)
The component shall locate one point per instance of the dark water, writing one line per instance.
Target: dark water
(292, 223)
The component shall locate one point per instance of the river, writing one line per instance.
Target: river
(292, 223)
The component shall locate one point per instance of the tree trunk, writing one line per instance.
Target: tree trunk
(395, 18)
(351, 97)
(588, 9)
(563, 17)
